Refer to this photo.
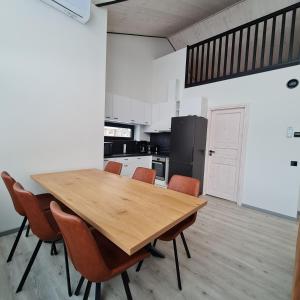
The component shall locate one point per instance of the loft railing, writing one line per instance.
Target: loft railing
(265, 44)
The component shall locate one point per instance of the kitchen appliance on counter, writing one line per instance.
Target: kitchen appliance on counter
(188, 142)
(161, 165)
(160, 143)
(108, 148)
(125, 147)
(142, 146)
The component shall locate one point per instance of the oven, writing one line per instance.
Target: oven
(161, 166)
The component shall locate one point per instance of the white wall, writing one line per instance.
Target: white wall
(52, 91)
(270, 182)
(236, 15)
(166, 68)
(129, 64)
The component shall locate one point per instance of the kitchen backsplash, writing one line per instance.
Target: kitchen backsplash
(162, 140)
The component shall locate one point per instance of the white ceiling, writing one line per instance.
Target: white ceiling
(160, 17)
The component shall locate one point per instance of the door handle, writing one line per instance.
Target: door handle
(211, 152)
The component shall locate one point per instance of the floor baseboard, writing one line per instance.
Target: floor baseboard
(11, 231)
(270, 212)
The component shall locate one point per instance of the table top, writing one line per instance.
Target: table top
(128, 212)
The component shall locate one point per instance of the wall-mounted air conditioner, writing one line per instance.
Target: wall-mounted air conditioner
(79, 10)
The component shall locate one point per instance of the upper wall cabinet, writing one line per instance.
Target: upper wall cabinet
(162, 114)
(126, 110)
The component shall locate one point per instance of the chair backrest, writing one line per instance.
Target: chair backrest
(184, 184)
(9, 182)
(81, 244)
(296, 281)
(41, 221)
(113, 167)
(144, 174)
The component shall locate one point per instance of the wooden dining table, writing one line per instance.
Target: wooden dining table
(128, 212)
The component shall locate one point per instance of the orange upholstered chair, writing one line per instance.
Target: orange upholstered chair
(186, 185)
(113, 167)
(145, 175)
(44, 202)
(42, 225)
(95, 257)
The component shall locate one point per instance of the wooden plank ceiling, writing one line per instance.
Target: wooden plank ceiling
(160, 17)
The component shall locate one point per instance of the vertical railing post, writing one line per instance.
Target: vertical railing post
(197, 65)
(272, 41)
(247, 49)
(219, 57)
(225, 55)
(187, 66)
(207, 60)
(281, 39)
(202, 62)
(238, 69)
(232, 53)
(255, 47)
(292, 34)
(192, 66)
(263, 46)
(213, 60)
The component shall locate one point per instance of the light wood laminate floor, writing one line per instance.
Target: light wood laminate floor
(237, 254)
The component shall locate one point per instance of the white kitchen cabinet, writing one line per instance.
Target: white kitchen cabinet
(126, 110)
(162, 114)
(109, 106)
(193, 106)
(137, 112)
(165, 116)
(122, 111)
(130, 163)
(148, 113)
(142, 161)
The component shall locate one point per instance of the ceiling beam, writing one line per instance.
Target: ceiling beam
(143, 35)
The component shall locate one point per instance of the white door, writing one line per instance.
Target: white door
(225, 146)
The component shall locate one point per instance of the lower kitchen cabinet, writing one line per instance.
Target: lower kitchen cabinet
(130, 163)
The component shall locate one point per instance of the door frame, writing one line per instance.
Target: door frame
(238, 198)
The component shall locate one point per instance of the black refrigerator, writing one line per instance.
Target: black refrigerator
(187, 147)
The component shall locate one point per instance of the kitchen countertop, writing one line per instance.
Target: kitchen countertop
(134, 154)
(127, 154)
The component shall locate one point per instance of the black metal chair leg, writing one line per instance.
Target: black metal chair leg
(139, 266)
(13, 249)
(54, 249)
(177, 264)
(155, 241)
(81, 281)
(126, 277)
(87, 290)
(98, 291)
(28, 268)
(185, 245)
(67, 271)
(27, 230)
(126, 285)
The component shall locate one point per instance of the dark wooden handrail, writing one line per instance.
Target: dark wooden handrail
(264, 44)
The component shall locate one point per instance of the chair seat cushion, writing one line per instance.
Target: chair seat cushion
(177, 229)
(115, 258)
